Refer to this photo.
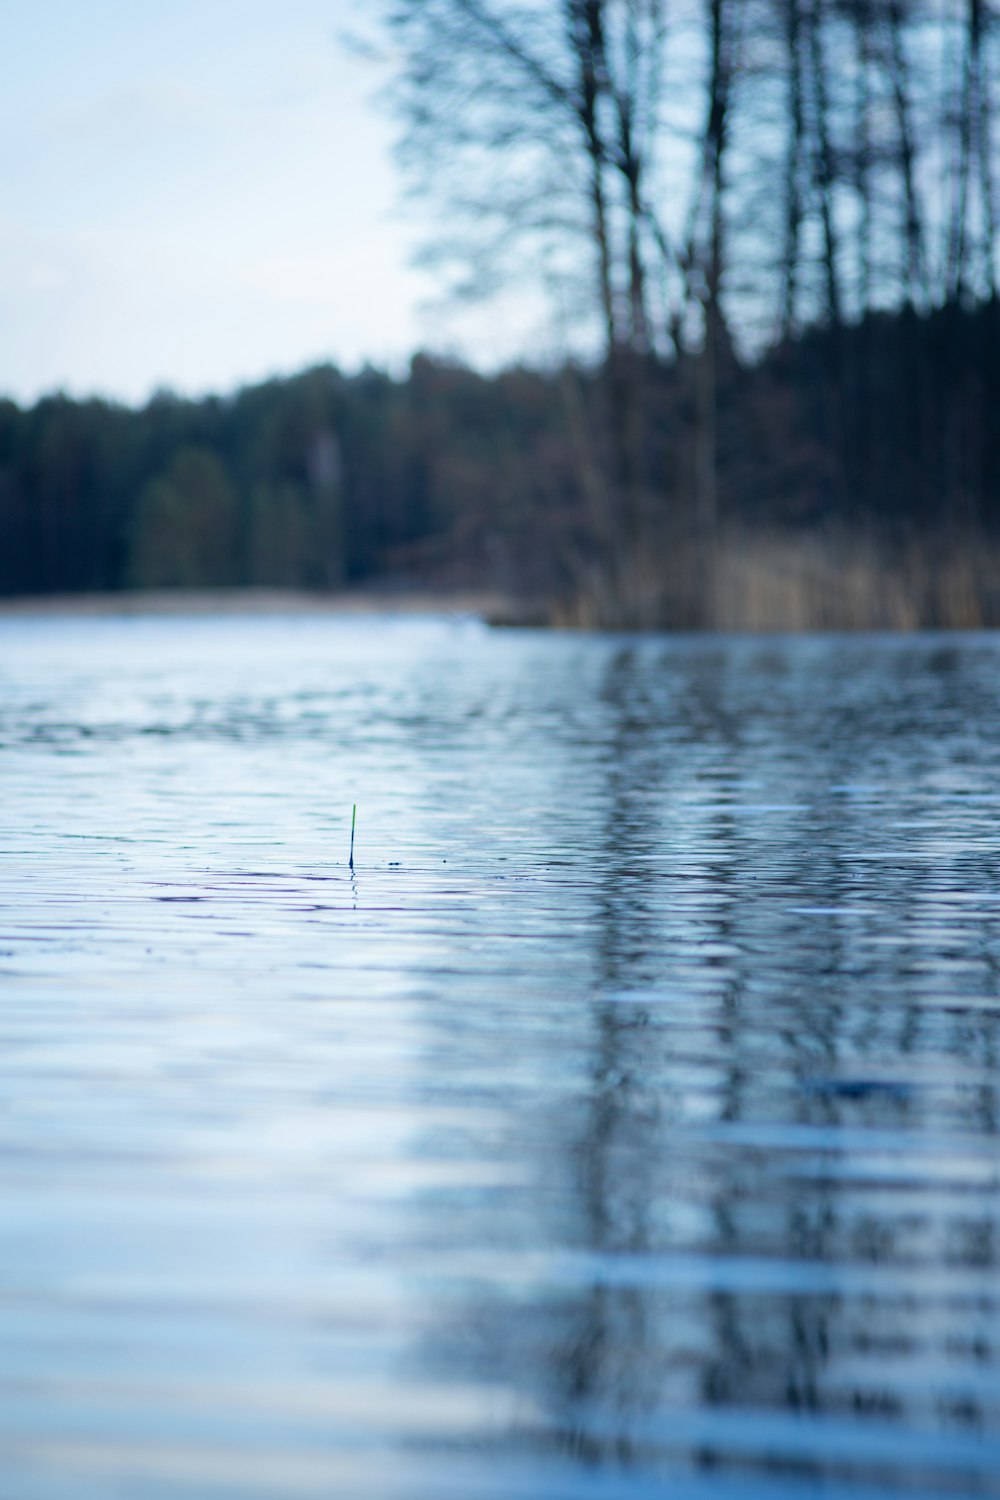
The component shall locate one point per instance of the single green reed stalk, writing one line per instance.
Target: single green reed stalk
(354, 815)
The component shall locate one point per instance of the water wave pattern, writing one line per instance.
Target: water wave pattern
(624, 1124)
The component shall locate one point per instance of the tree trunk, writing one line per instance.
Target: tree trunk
(825, 172)
(793, 169)
(917, 287)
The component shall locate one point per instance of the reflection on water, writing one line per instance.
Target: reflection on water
(626, 1124)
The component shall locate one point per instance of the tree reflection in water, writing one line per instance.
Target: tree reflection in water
(628, 1123)
(770, 1175)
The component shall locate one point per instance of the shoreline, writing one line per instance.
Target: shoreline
(747, 601)
(493, 608)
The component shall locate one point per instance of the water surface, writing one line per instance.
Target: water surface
(625, 1123)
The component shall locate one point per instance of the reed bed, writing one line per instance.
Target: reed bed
(774, 581)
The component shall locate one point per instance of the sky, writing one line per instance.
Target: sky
(194, 195)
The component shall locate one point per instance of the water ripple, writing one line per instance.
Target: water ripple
(626, 1119)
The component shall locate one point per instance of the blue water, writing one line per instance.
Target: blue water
(624, 1125)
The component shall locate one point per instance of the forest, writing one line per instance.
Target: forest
(768, 228)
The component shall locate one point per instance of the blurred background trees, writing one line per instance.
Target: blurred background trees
(714, 179)
(768, 230)
(773, 163)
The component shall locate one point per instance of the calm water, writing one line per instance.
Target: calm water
(626, 1125)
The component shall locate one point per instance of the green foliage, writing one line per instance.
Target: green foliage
(185, 531)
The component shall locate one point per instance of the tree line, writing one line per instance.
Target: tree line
(318, 481)
(703, 183)
(770, 227)
(446, 477)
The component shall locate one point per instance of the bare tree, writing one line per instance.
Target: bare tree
(617, 148)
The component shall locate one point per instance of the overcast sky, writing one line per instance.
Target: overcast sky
(194, 194)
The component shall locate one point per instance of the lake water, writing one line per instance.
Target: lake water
(624, 1125)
